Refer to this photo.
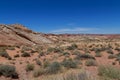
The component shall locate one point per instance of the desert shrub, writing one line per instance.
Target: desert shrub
(69, 63)
(98, 49)
(111, 56)
(17, 55)
(11, 48)
(29, 67)
(8, 71)
(84, 56)
(5, 54)
(33, 51)
(26, 48)
(41, 54)
(72, 47)
(38, 48)
(91, 62)
(78, 57)
(39, 72)
(50, 49)
(66, 53)
(110, 51)
(53, 68)
(25, 54)
(38, 62)
(118, 55)
(98, 54)
(76, 52)
(17, 46)
(118, 58)
(118, 49)
(109, 71)
(2, 49)
(58, 50)
(46, 63)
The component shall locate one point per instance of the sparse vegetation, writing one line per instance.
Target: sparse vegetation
(98, 54)
(91, 62)
(11, 48)
(71, 76)
(30, 67)
(69, 63)
(62, 58)
(111, 56)
(72, 47)
(76, 52)
(46, 63)
(5, 54)
(39, 72)
(8, 71)
(110, 72)
(17, 55)
(25, 54)
(110, 51)
(38, 62)
(84, 56)
(58, 50)
(53, 68)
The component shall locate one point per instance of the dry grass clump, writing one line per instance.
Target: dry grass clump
(69, 63)
(71, 75)
(109, 72)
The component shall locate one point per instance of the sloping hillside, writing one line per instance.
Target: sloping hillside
(18, 34)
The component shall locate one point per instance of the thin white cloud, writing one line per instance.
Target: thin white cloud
(74, 30)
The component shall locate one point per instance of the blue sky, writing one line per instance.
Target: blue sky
(63, 16)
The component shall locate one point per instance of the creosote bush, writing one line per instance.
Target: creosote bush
(84, 56)
(69, 63)
(76, 52)
(11, 48)
(38, 62)
(41, 54)
(91, 62)
(26, 48)
(110, 51)
(25, 54)
(66, 53)
(46, 63)
(17, 55)
(118, 49)
(111, 56)
(30, 67)
(58, 50)
(5, 54)
(50, 49)
(8, 71)
(72, 47)
(98, 54)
